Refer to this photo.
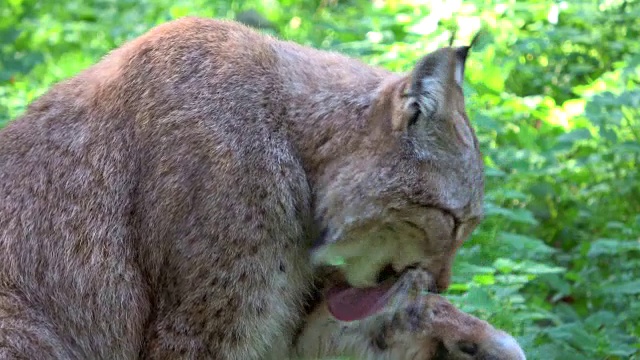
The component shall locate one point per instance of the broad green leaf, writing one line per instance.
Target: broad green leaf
(622, 288)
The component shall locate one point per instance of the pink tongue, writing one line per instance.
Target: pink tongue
(350, 304)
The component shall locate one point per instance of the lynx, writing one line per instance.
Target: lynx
(178, 198)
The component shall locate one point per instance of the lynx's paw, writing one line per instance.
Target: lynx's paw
(412, 324)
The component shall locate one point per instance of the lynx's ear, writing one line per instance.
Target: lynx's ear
(433, 81)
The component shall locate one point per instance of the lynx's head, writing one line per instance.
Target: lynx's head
(410, 192)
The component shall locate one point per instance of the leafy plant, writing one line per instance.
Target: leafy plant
(552, 91)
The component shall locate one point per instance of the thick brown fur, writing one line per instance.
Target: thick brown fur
(414, 324)
(164, 202)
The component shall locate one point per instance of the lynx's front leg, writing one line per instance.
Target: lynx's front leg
(412, 325)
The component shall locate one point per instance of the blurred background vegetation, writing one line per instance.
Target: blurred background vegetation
(552, 91)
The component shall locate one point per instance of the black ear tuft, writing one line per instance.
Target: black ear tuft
(453, 37)
(463, 51)
(461, 54)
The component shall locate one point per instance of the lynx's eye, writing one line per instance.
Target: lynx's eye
(415, 113)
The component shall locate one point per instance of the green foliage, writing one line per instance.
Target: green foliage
(552, 91)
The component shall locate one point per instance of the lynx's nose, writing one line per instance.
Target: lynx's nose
(500, 346)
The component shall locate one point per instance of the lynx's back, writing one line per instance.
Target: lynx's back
(131, 199)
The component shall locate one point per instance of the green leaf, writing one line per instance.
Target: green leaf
(504, 265)
(516, 215)
(602, 247)
(523, 244)
(479, 299)
(484, 279)
(575, 135)
(622, 288)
